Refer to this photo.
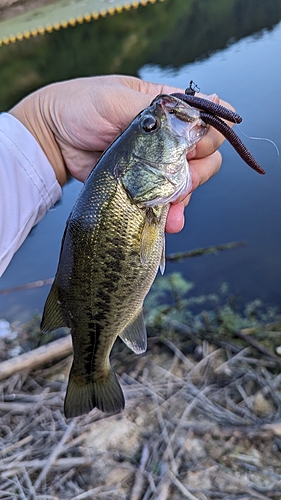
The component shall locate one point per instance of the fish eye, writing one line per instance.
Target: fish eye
(150, 123)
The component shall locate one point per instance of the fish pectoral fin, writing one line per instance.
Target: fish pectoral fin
(82, 396)
(134, 335)
(149, 237)
(53, 315)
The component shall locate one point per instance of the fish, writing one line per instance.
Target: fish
(114, 241)
(114, 244)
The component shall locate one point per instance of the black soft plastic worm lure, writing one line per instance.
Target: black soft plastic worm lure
(211, 114)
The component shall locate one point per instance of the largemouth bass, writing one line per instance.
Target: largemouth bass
(113, 245)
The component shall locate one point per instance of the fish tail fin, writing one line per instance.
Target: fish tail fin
(82, 396)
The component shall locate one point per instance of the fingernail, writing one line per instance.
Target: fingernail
(212, 97)
(191, 154)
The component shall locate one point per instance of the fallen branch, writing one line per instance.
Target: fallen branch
(9, 470)
(27, 286)
(53, 457)
(181, 487)
(37, 357)
(203, 251)
(258, 346)
(139, 479)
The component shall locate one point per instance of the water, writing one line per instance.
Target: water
(237, 204)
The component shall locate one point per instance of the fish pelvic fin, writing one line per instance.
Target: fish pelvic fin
(105, 393)
(52, 315)
(134, 335)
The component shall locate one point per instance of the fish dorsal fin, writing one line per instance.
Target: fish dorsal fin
(134, 335)
(53, 315)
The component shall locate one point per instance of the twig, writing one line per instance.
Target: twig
(9, 470)
(258, 346)
(54, 454)
(204, 362)
(37, 357)
(47, 497)
(27, 286)
(168, 453)
(172, 257)
(180, 424)
(181, 487)
(91, 493)
(146, 385)
(138, 485)
(18, 444)
(178, 353)
(227, 365)
(29, 485)
(181, 327)
(163, 489)
(21, 492)
(168, 459)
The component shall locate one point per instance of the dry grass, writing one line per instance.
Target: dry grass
(202, 422)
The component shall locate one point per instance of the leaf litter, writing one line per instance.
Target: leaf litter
(202, 418)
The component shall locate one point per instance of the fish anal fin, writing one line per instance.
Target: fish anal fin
(105, 393)
(134, 335)
(53, 315)
(163, 259)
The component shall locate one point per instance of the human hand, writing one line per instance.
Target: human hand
(75, 121)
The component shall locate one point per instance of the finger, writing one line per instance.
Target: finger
(175, 218)
(150, 89)
(80, 163)
(203, 169)
(207, 145)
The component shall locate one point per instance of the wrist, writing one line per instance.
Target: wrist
(29, 112)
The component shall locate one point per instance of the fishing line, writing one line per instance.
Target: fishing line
(260, 139)
(190, 92)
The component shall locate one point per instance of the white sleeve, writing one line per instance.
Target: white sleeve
(28, 186)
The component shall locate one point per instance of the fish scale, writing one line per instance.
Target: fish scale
(111, 312)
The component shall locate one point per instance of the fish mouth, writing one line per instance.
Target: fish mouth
(183, 119)
(187, 123)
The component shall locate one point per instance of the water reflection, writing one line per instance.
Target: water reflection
(238, 204)
(171, 33)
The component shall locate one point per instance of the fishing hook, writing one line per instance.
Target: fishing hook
(209, 107)
(211, 114)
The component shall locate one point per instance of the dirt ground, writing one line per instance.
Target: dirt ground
(202, 422)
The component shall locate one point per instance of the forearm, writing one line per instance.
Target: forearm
(28, 186)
